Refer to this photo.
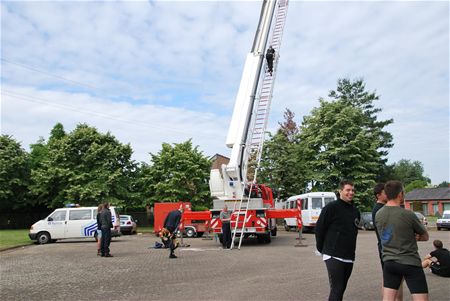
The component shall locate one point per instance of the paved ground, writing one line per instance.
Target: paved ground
(70, 270)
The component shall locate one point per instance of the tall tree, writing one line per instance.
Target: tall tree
(84, 167)
(179, 173)
(14, 174)
(343, 139)
(280, 166)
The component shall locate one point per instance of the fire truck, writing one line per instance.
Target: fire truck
(253, 211)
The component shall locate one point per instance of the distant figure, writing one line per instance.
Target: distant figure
(336, 232)
(171, 223)
(441, 265)
(106, 225)
(399, 231)
(226, 227)
(270, 56)
(99, 229)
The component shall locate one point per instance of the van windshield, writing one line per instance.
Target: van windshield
(446, 216)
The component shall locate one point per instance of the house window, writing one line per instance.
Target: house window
(425, 209)
(435, 208)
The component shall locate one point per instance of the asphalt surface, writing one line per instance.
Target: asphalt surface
(70, 270)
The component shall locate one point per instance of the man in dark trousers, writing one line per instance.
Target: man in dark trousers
(226, 227)
(336, 232)
(270, 56)
(106, 225)
(399, 231)
(171, 223)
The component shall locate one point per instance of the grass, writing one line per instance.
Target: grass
(145, 230)
(14, 238)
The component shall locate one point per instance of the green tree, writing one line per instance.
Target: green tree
(84, 167)
(14, 174)
(342, 139)
(415, 184)
(280, 167)
(178, 173)
(443, 184)
(407, 171)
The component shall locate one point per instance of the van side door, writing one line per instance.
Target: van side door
(80, 223)
(57, 223)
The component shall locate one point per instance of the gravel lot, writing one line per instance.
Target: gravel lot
(70, 270)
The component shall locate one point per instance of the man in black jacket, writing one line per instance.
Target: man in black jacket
(106, 225)
(336, 232)
(171, 223)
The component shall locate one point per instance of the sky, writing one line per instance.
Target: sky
(151, 72)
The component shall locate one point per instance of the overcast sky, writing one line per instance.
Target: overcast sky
(154, 72)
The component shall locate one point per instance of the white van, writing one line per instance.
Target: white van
(312, 204)
(444, 221)
(77, 222)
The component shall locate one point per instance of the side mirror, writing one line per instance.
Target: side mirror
(50, 219)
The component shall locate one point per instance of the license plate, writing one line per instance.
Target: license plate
(251, 230)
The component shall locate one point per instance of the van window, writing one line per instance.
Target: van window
(328, 200)
(292, 205)
(58, 216)
(316, 203)
(75, 215)
(305, 204)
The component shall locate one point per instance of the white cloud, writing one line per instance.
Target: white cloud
(177, 64)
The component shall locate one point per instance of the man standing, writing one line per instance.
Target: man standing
(440, 266)
(226, 227)
(381, 200)
(399, 229)
(106, 225)
(336, 232)
(171, 223)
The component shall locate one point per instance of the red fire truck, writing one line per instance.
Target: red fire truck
(191, 227)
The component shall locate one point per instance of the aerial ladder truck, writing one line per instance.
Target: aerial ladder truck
(234, 184)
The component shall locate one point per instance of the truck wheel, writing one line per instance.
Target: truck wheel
(43, 238)
(220, 238)
(438, 228)
(190, 233)
(267, 238)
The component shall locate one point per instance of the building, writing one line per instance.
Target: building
(217, 161)
(428, 200)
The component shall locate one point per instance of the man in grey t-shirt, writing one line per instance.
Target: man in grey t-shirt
(399, 230)
(226, 227)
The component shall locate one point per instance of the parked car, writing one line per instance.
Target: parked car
(444, 221)
(128, 224)
(366, 222)
(422, 218)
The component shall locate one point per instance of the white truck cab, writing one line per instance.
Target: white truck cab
(76, 222)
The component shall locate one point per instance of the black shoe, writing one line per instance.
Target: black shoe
(172, 256)
(108, 255)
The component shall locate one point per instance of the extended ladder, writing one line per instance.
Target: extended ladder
(260, 117)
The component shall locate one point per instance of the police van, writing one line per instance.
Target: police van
(72, 222)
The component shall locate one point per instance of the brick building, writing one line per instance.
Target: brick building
(428, 200)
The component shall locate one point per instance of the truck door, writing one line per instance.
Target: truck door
(57, 223)
(78, 220)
